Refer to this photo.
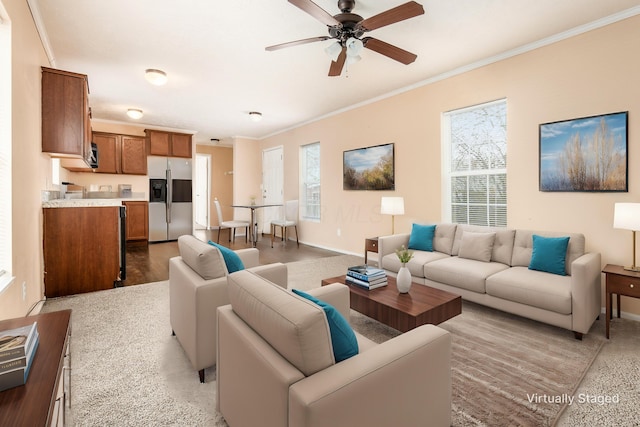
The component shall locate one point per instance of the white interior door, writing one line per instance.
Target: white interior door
(203, 179)
(272, 185)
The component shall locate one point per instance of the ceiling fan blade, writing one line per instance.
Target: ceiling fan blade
(336, 66)
(391, 16)
(389, 50)
(316, 11)
(296, 43)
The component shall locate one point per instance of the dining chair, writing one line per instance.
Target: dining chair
(231, 225)
(290, 220)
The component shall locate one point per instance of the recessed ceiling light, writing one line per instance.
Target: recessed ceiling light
(156, 77)
(255, 116)
(134, 113)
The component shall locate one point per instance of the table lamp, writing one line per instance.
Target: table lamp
(392, 206)
(627, 216)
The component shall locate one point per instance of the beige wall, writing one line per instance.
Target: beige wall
(593, 73)
(221, 185)
(31, 168)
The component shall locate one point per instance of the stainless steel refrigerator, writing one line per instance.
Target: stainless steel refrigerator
(170, 198)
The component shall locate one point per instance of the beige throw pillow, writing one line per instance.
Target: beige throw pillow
(477, 246)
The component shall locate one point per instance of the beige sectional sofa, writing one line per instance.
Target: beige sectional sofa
(499, 276)
(276, 366)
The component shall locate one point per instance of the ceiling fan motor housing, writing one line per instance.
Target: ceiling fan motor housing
(346, 6)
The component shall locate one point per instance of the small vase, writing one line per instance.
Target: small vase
(403, 280)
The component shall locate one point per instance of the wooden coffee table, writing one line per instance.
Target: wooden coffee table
(403, 312)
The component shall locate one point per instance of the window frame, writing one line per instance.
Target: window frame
(448, 174)
(305, 206)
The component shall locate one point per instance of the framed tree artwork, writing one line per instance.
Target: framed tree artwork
(585, 154)
(369, 168)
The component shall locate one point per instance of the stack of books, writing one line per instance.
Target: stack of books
(366, 276)
(17, 348)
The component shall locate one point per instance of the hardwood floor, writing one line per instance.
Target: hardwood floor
(150, 263)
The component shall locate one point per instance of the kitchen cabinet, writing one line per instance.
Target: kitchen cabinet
(169, 144)
(81, 249)
(66, 115)
(124, 154)
(137, 221)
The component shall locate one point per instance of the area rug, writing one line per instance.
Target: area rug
(128, 370)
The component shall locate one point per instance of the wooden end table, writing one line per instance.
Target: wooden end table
(370, 245)
(403, 312)
(620, 282)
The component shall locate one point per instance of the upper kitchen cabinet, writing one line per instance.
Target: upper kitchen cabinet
(66, 116)
(169, 144)
(122, 154)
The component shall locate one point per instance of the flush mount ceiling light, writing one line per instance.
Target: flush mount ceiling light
(255, 116)
(134, 113)
(156, 77)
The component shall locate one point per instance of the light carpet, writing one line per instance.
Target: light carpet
(128, 370)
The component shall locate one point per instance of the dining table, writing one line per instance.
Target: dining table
(253, 233)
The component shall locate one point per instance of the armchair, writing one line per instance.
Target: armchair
(197, 286)
(275, 356)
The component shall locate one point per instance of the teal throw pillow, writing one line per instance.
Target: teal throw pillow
(231, 259)
(421, 237)
(343, 339)
(549, 254)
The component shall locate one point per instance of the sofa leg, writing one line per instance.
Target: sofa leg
(201, 373)
(578, 335)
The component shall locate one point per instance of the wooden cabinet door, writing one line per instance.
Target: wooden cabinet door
(107, 152)
(158, 142)
(134, 155)
(64, 112)
(137, 220)
(181, 145)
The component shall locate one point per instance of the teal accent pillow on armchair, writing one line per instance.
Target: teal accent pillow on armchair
(231, 259)
(343, 339)
(421, 237)
(549, 254)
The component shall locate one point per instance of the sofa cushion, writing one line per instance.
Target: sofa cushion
(534, 288)
(421, 237)
(231, 259)
(204, 259)
(462, 273)
(523, 247)
(477, 246)
(502, 244)
(295, 327)
(343, 339)
(416, 265)
(549, 254)
(443, 238)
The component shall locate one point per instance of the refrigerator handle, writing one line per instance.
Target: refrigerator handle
(169, 195)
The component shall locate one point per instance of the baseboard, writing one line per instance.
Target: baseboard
(623, 314)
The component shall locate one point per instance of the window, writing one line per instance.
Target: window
(5, 150)
(310, 181)
(475, 165)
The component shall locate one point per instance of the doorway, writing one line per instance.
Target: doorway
(272, 185)
(203, 196)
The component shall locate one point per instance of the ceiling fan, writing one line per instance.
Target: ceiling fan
(348, 29)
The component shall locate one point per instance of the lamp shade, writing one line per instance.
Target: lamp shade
(627, 216)
(392, 206)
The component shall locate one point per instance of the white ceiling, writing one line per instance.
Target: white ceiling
(213, 52)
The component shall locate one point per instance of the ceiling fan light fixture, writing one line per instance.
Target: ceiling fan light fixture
(155, 77)
(255, 116)
(354, 47)
(333, 50)
(134, 113)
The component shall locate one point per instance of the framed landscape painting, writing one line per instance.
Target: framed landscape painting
(585, 154)
(369, 168)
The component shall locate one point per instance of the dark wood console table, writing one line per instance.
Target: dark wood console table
(40, 402)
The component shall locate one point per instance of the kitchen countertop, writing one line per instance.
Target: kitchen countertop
(83, 203)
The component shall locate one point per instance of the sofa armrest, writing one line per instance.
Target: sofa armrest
(586, 291)
(335, 294)
(276, 273)
(192, 311)
(404, 381)
(388, 244)
(250, 257)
